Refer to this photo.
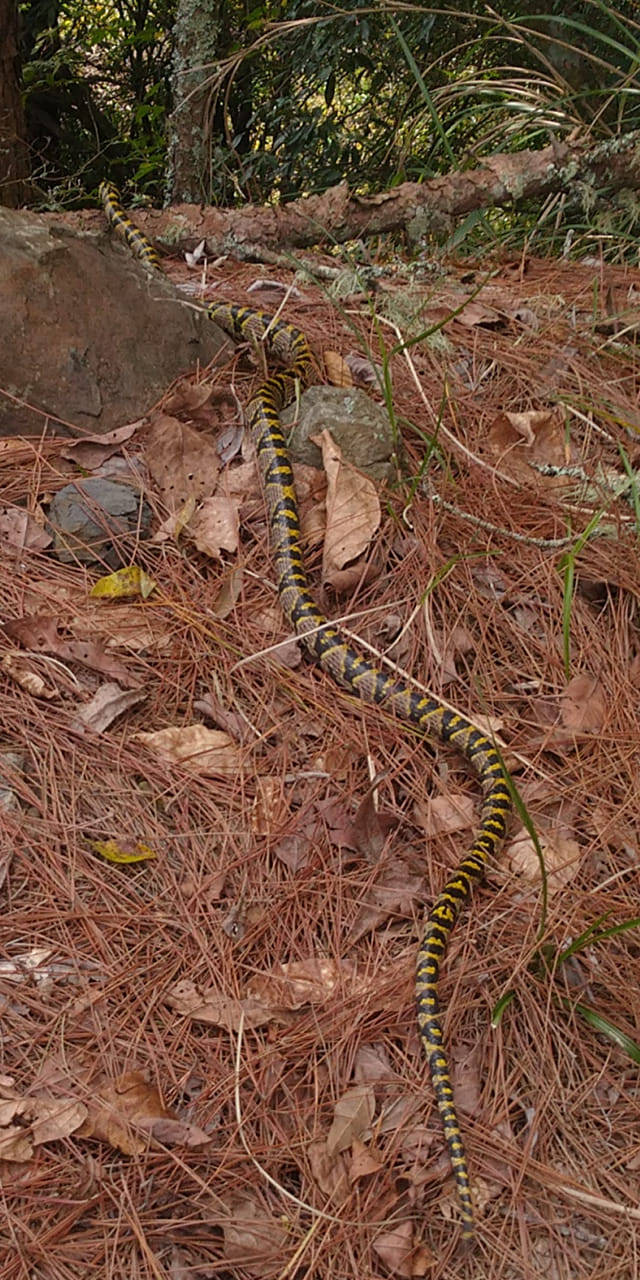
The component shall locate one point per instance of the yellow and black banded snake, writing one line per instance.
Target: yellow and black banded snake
(356, 673)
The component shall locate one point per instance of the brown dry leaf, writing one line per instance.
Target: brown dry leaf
(313, 981)
(517, 439)
(329, 1171)
(561, 859)
(182, 461)
(270, 809)
(91, 451)
(396, 1251)
(478, 313)
(372, 1065)
(40, 632)
(583, 705)
(364, 1162)
(42, 1120)
(254, 1241)
(215, 527)
(190, 398)
(121, 1106)
(282, 653)
(19, 667)
(213, 1007)
(107, 703)
(353, 510)
(394, 893)
(371, 826)
(452, 812)
(19, 529)
(229, 593)
(202, 750)
(243, 480)
(352, 1117)
(338, 371)
(124, 626)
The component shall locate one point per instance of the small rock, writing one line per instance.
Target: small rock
(358, 425)
(86, 517)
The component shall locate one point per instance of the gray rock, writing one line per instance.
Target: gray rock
(86, 516)
(358, 425)
(86, 333)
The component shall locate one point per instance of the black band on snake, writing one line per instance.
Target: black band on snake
(356, 673)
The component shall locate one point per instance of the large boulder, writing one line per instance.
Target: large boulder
(87, 335)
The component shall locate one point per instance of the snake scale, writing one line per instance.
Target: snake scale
(356, 673)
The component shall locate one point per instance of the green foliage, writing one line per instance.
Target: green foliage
(304, 94)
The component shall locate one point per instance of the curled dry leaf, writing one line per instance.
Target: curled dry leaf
(19, 529)
(182, 461)
(120, 1107)
(40, 632)
(561, 859)
(329, 1171)
(364, 1162)
(41, 1120)
(107, 703)
(352, 1118)
(301, 982)
(215, 526)
(202, 750)
(353, 510)
(20, 668)
(453, 812)
(582, 705)
(130, 581)
(214, 1007)
(398, 1255)
(91, 451)
(254, 1241)
(338, 371)
(517, 439)
(270, 810)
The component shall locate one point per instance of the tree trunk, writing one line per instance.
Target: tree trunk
(195, 51)
(14, 154)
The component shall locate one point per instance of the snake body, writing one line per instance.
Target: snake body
(354, 672)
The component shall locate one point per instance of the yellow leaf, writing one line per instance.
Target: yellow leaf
(110, 849)
(132, 581)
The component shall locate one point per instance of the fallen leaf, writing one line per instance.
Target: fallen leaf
(353, 510)
(119, 1107)
(41, 633)
(91, 451)
(338, 371)
(329, 1171)
(452, 812)
(216, 1008)
(206, 751)
(112, 851)
(131, 581)
(270, 810)
(364, 1162)
(582, 705)
(538, 435)
(371, 826)
(395, 893)
(301, 982)
(215, 526)
(396, 1251)
(561, 856)
(17, 665)
(19, 529)
(352, 1118)
(254, 1241)
(229, 593)
(182, 461)
(189, 397)
(107, 703)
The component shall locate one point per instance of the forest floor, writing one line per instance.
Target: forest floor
(210, 1058)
